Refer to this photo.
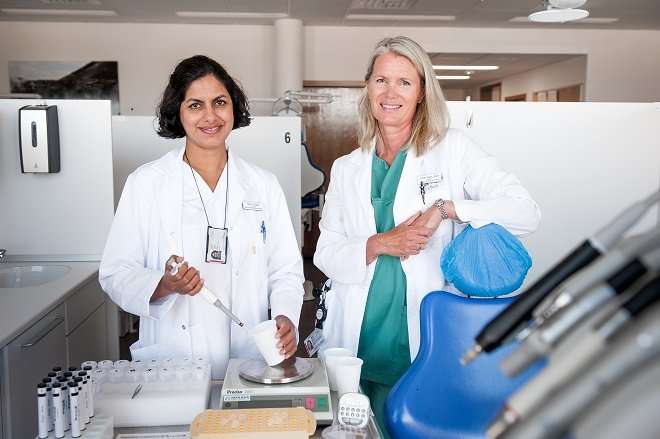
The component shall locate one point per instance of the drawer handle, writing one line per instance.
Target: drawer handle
(37, 338)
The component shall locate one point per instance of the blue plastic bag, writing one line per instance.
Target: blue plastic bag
(486, 262)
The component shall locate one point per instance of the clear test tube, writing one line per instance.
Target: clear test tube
(169, 363)
(106, 364)
(116, 375)
(199, 372)
(122, 364)
(133, 375)
(74, 409)
(150, 375)
(138, 364)
(165, 374)
(52, 376)
(183, 373)
(42, 410)
(99, 376)
(59, 410)
(153, 363)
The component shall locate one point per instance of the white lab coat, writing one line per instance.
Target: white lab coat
(147, 229)
(482, 193)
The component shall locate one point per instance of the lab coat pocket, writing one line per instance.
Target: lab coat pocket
(141, 352)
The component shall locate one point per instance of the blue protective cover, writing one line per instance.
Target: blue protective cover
(438, 397)
(485, 262)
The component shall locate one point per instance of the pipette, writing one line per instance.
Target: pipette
(207, 295)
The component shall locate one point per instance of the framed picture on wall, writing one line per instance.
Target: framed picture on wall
(66, 80)
(552, 95)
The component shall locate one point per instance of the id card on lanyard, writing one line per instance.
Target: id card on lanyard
(216, 244)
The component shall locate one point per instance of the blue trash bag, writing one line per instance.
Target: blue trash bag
(485, 262)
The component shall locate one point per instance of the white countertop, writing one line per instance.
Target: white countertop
(22, 307)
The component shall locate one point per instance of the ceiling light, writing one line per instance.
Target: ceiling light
(552, 15)
(442, 67)
(452, 76)
(60, 12)
(388, 17)
(246, 15)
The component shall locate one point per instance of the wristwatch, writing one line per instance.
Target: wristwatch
(440, 204)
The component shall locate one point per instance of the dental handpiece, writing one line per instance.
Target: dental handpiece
(572, 355)
(628, 251)
(503, 327)
(630, 351)
(209, 296)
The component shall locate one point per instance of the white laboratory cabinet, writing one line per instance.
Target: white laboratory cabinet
(26, 360)
(75, 331)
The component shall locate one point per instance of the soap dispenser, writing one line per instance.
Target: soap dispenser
(39, 139)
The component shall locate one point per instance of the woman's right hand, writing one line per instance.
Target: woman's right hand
(404, 240)
(186, 281)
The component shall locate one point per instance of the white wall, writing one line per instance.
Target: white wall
(146, 53)
(622, 65)
(550, 77)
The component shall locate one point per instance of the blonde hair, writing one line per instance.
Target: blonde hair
(431, 118)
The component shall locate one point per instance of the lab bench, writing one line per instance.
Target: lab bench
(214, 403)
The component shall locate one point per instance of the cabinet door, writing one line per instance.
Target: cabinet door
(88, 341)
(27, 359)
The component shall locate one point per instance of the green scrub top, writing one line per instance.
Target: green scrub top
(383, 345)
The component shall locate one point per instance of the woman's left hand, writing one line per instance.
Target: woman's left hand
(286, 333)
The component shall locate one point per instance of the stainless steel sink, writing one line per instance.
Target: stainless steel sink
(30, 275)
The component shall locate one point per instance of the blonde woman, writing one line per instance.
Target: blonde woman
(393, 205)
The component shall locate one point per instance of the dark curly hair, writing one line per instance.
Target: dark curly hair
(187, 71)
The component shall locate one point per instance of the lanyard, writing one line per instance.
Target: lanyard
(208, 223)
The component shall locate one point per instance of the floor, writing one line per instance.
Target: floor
(307, 313)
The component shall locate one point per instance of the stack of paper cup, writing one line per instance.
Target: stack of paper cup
(329, 358)
(347, 370)
(264, 335)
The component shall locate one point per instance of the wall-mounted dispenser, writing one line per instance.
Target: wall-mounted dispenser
(39, 139)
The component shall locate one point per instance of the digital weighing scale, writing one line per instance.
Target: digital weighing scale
(305, 384)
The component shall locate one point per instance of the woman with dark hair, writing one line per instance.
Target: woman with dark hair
(208, 210)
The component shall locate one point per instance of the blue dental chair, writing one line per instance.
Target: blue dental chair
(438, 397)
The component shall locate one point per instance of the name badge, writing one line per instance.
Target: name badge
(252, 205)
(428, 183)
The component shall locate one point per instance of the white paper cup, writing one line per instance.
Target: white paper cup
(329, 357)
(348, 371)
(264, 337)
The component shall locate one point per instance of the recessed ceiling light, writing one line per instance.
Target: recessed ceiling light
(382, 4)
(246, 15)
(552, 15)
(60, 12)
(388, 17)
(452, 76)
(443, 67)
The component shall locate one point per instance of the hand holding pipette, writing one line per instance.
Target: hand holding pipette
(176, 263)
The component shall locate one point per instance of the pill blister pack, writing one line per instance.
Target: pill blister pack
(152, 392)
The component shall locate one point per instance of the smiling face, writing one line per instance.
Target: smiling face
(395, 89)
(207, 113)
